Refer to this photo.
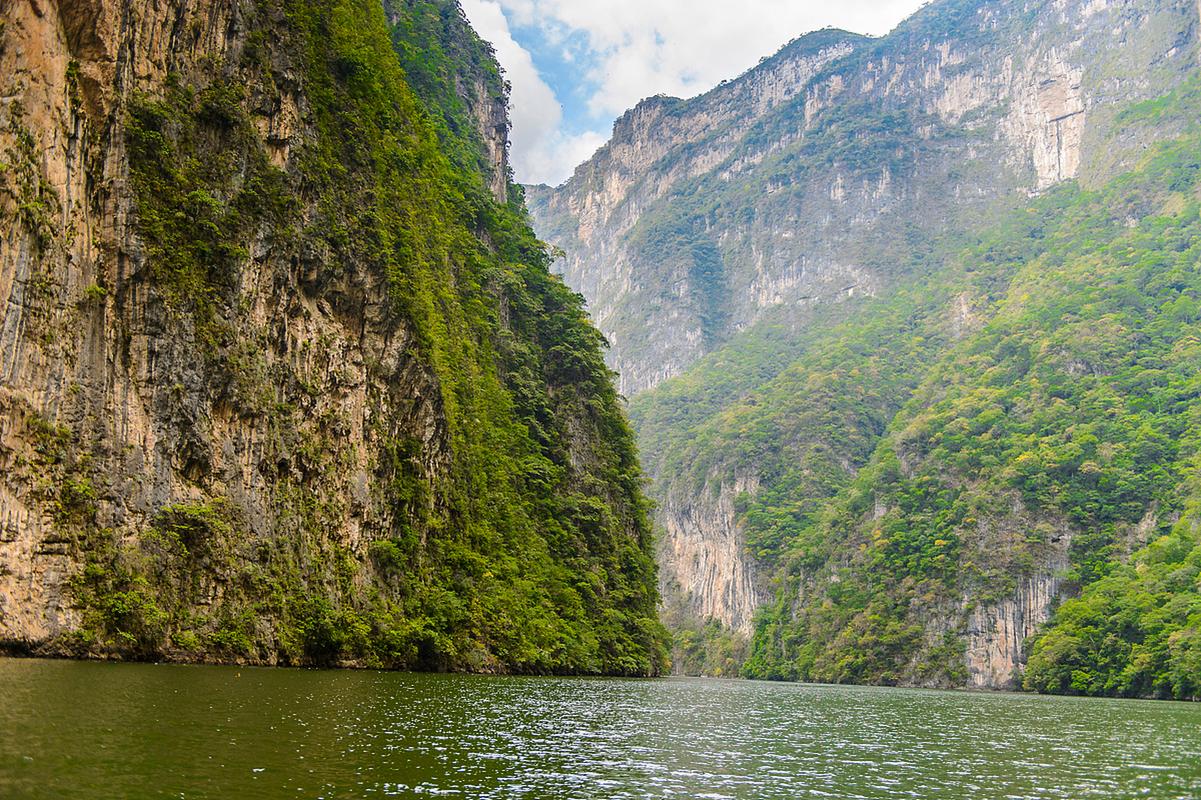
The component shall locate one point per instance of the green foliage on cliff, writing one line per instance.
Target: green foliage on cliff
(1021, 408)
(443, 60)
(506, 527)
(1070, 415)
(1135, 632)
(203, 186)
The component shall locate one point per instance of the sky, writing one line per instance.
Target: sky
(577, 65)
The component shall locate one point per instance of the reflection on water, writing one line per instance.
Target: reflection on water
(71, 729)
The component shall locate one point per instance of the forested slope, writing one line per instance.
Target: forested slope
(285, 376)
(1016, 427)
(779, 262)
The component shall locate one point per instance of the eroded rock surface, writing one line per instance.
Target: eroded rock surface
(821, 176)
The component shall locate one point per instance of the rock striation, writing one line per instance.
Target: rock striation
(283, 375)
(833, 172)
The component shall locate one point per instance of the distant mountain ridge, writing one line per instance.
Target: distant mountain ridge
(782, 285)
(974, 101)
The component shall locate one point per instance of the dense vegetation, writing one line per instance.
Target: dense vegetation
(1135, 632)
(1074, 403)
(505, 525)
(1025, 411)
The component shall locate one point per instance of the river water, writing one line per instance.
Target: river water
(77, 729)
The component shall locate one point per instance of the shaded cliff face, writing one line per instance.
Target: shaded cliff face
(798, 268)
(284, 375)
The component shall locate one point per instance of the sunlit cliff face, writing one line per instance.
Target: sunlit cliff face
(810, 182)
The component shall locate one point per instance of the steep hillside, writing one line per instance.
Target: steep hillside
(807, 179)
(285, 376)
(855, 236)
(1037, 456)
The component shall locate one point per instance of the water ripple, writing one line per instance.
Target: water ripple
(70, 729)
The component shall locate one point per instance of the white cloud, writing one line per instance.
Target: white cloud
(539, 146)
(640, 48)
(683, 47)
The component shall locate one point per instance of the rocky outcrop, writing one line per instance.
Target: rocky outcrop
(254, 396)
(1032, 552)
(708, 558)
(491, 116)
(997, 633)
(702, 219)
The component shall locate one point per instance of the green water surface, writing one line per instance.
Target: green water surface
(77, 729)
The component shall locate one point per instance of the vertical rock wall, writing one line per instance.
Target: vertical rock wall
(708, 559)
(268, 390)
(807, 176)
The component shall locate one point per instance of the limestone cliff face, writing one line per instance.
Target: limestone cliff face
(708, 558)
(995, 627)
(792, 170)
(67, 66)
(233, 413)
(821, 176)
(656, 148)
(997, 634)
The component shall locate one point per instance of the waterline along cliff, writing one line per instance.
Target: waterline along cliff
(284, 377)
(908, 325)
